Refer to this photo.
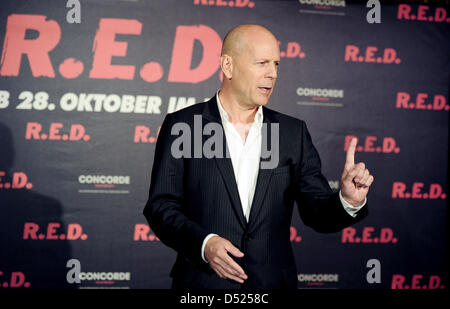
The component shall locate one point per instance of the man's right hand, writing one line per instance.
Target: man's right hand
(216, 253)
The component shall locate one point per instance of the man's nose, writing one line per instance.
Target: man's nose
(272, 71)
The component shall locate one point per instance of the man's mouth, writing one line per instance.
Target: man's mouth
(265, 90)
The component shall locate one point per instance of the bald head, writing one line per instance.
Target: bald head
(249, 62)
(239, 38)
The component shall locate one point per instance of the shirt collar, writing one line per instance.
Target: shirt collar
(224, 115)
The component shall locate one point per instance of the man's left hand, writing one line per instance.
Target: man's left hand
(355, 179)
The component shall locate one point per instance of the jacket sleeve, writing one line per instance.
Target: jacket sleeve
(319, 207)
(164, 210)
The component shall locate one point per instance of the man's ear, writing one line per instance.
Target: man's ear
(226, 63)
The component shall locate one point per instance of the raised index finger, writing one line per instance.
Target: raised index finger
(350, 157)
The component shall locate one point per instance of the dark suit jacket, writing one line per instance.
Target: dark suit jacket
(192, 197)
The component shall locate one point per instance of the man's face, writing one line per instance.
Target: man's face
(255, 69)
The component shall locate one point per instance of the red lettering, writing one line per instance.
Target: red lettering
(51, 230)
(386, 235)
(366, 235)
(351, 53)
(348, 235)
(388, 144)
(74, 231)
(105, 47)
(15, 45)
(19, 180)
(76, 132)
(241, 3)
(141, 231)
(422, 12)
(141, 133)
(403, 11)
(32, 130)
(417, 186)
(440, 14)
(435, 191)
(416, 281)
(398, 190)
(180, 67)
(435, 282)
(368, 147)
(54, 131)
(389, 55)
(420, 101)
(402, 100)
(370, 51)
(397, 281)
(30, 230)
(292, 50)
(439, 102)
(17, 279)
(294, 237)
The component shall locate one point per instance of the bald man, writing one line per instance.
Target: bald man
(228, 213)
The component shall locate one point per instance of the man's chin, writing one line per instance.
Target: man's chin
(263, 102)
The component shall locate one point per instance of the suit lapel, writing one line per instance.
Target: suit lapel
(264, 175)
(226, 169)
(211, 112)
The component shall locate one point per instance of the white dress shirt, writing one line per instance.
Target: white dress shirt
(245, 157)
